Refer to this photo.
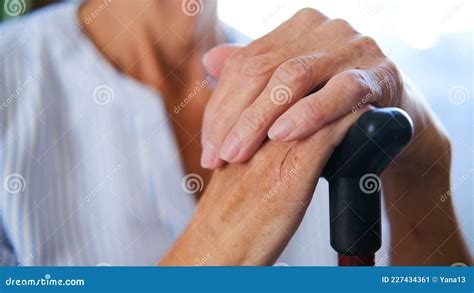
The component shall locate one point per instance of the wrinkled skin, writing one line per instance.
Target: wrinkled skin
(250, 211)
(288, 84)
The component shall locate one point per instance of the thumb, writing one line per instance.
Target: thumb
(215, 58)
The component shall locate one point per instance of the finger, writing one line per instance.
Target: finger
(345, 93)
(242, 79)
(244, 76)
(215, 58)
(291, 81)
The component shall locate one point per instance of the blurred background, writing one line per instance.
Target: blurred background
(431, 42)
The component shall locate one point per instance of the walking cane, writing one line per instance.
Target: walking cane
(353, 173)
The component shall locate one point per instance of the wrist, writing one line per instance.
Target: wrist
(430, 143)
(254, 238)
(214, 239)
(428, 148)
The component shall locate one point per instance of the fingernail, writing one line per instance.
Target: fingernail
(281, 129)
(230, 148)
(209, 156)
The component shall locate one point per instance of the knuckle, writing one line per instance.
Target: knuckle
(340, 23)
(369, 42)
(307, 12)
(353, 83)
(393, 71)
(391, 67)
(366, 42)
(340, 27)
(294, 72)
(252, 120)
(260, 45)
(391, 83)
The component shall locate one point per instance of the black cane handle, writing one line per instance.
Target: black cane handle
(353, 172)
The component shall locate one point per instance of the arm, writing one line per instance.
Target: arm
(424, 228)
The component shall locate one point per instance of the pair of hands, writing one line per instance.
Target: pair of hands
(302, 85)
(287, 85)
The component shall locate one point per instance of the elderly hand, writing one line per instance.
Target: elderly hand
(249, 212)
(308, 72)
